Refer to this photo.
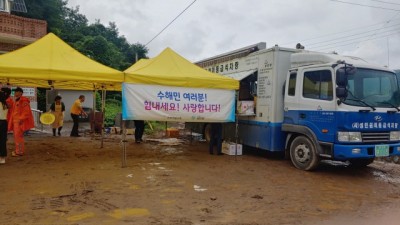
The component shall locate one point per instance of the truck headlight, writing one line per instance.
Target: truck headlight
(349, 136)
(395, 135)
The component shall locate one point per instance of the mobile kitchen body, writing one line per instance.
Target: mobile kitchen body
(311, 105)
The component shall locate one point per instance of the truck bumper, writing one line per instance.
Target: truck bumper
(345, 152)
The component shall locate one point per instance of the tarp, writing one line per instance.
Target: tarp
(171, 69)
(240, 75)
(50, 62)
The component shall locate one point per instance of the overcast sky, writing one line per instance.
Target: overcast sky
(369, 29)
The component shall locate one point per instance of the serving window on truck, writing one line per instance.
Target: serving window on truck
(248, 95)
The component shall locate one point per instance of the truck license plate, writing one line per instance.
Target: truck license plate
(381, 150)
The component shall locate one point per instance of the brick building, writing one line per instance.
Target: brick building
(16, 31)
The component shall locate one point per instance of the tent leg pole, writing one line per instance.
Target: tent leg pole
(123, 144)
(103, 103)
(236, 126)
(93, 114)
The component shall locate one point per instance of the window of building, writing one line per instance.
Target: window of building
(318, 85)
(3, 5)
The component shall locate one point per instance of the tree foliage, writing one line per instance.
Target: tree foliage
(101, 43)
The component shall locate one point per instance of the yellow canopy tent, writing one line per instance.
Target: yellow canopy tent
(145, 79)
(50, 62)
(171, 69)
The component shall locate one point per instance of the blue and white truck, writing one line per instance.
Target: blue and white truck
(312, 106)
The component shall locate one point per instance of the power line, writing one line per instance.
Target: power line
(171, 22)
(377, 7)
(385, 25)
(355, 42)
(357, 34)
(358, 38)
(335, 33)
(392, 3)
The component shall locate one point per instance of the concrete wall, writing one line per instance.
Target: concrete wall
(68, 97)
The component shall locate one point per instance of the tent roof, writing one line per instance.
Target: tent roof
(171, 69)
(50, 62)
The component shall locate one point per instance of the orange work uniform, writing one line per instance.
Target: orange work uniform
(21, 120)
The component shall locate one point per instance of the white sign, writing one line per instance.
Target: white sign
(168, 103)
(28, 92)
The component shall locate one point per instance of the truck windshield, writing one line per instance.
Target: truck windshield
(373, 88)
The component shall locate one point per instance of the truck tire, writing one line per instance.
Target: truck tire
(359, 163)
(303, 153)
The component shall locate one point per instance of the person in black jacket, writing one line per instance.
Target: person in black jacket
(216, 138)
(139, 130)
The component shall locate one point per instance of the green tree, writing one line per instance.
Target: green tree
(101, 43)
(53, 11)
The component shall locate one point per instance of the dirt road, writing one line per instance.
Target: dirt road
(71, 181)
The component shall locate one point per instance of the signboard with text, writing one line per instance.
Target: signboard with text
(167, 103)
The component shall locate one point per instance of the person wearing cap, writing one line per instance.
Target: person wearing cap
(21, 120)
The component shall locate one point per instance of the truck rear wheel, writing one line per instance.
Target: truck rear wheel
(303, 153)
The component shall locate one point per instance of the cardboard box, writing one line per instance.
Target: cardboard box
(172, 133)
(246, 107)
(130, 131)
(115, 130)
(229, 148)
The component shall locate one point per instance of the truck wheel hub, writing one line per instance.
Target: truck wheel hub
(302, 153)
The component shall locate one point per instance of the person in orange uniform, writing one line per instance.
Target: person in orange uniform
(21, 120)
(76, 110)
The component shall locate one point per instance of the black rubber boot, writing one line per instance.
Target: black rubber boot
(54, 131)
(59, 131)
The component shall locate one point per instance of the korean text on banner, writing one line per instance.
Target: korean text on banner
(168, 103)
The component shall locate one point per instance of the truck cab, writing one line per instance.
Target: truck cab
(339, 108)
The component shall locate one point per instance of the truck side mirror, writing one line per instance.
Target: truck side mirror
(341, 92)
(341, 77)
(342, 73)
(350, 70)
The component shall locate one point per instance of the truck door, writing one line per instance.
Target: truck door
(309, 101)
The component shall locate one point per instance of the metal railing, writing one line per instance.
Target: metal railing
(36, 117)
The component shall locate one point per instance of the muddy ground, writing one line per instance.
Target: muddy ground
(75, 181)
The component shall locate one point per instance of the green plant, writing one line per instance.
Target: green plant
(112, 108)
(154, 126)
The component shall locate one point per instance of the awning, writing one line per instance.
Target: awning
(241, 75)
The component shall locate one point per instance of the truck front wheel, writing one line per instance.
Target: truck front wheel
(303, 153)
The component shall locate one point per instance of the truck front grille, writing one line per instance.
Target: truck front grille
(375, 137)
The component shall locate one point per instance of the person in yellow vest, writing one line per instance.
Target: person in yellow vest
(76, 110)
(57, 109)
